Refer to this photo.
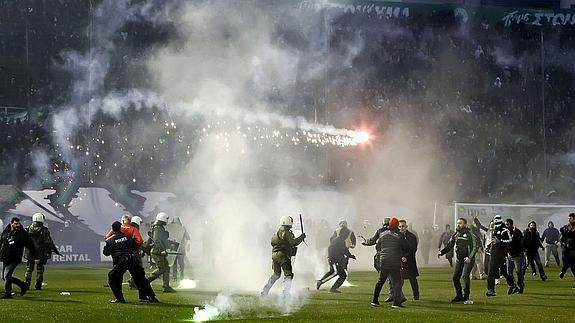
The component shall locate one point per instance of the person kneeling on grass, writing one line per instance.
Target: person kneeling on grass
(465, 248)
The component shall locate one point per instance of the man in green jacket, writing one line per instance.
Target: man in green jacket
(284, 245)
(465, 246)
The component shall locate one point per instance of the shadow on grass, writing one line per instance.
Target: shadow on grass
(45, 300)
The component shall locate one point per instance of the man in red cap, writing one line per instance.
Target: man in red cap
(392, 250)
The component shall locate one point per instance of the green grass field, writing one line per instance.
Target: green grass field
(89, 302)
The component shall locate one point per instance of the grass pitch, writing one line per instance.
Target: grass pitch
(550, 301)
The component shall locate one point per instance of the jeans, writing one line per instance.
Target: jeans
(533, 258)
(568, 261)
(517, 263)
(462, 268)
(396, 281)
(551, 249)
(7, 273)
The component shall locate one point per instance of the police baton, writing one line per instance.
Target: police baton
(301, 225)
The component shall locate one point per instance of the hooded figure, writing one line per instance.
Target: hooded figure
(532, 243)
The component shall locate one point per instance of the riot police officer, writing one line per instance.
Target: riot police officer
(44, 245)
(284, 245)
(121, 247)
(159, 245)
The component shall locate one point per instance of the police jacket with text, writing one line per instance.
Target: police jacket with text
(12, 244)
(391, 247)
(515, 247)
(119, 244)
(464, 242)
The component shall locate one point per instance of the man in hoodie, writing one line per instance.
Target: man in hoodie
(551, 238)
(500, 239)
(338, 256)
(44, 246)
(516, 256)
(465, 244)
(532, 243)
(392, 249)
(488, 232)
(12, 243)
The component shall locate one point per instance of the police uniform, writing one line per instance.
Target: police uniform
(159, 254)
(121, 247)
(284, 247)
(44, 245)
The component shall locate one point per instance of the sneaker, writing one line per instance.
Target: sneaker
(375, 303)
(38, 286)
(118, 301)
(389, 299)
(457, 299)
(496, 281)
(403, 300)
(468, 302)
(335, 291)
(397, 306)
(533, 274)
(415, 297)
(465, 298)
(24, 289)
(561, 275)
(169, 290)
(520, 290)
(490, 294)
(544, 277)
(317, 284)
(512, 290)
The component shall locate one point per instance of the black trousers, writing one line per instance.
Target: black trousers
(498, 268)
(568, 261)
(9, 279)
(336, 268)
(395, 280)
(129, 263)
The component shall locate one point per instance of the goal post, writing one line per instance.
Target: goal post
(521, 214)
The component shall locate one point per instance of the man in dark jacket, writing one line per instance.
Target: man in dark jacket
(516, 256)
(551, 238)
(122, 247)
(373, 241)
(500, 238)
(532, 243)
(444, 240)
(568, 245)
(12, 243)
(409, 268)
(465, 245)
(338, 256)
(44, 246)
(392, 249)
